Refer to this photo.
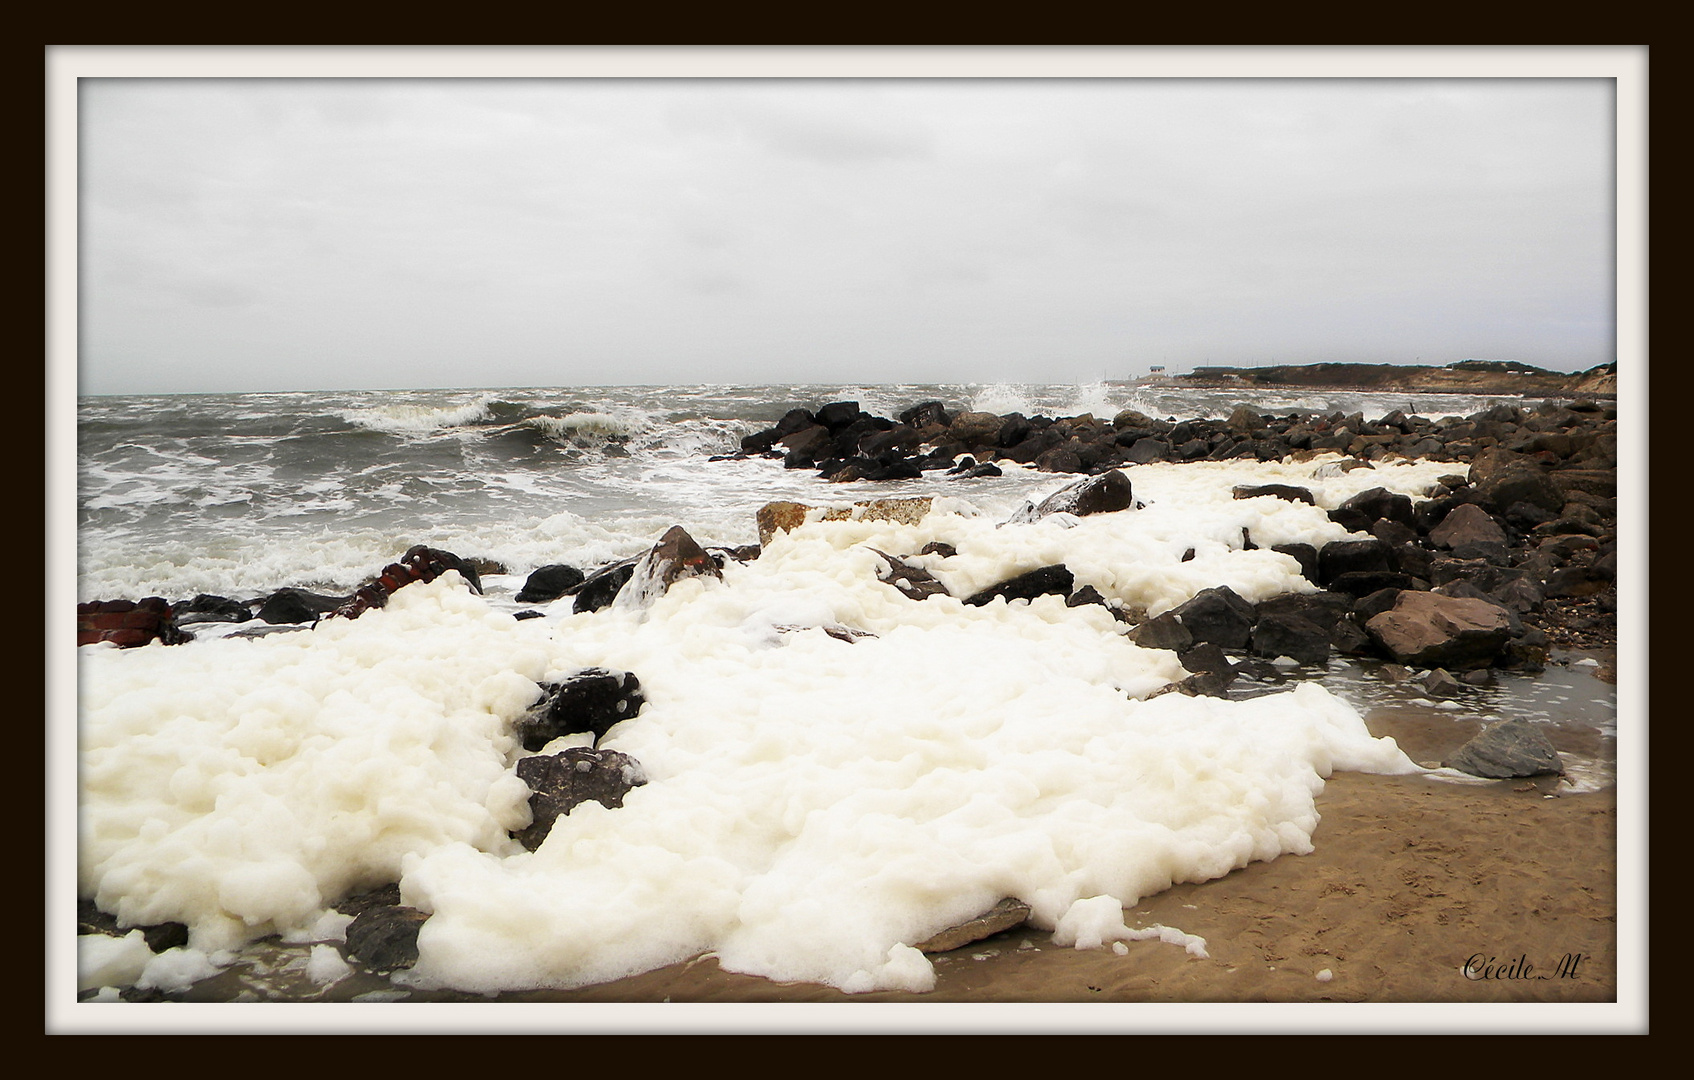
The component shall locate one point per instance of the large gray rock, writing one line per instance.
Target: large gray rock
(1429, 630)
(1511, 749)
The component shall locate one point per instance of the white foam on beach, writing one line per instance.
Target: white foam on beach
(813, 807)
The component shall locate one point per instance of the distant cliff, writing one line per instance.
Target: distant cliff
(1464, 377)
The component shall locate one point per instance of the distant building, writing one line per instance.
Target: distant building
(1157, 369)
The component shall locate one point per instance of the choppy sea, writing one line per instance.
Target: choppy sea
(240, 494)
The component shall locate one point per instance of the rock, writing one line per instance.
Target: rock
(1146, 449)
(209, 608)
(675, 557)
(1358, 583)
(1277, 491)
(1199, 684)
(1373, 505)
(559, 782)
(913, 581)
(838, 414)
(1206, 657)
(1467, 524)
(1514, 748)
(1514, 485)
(1351, 556)
(128, 623)
(1103, 494)
(1304, 554)
(1439, 683)
(973, 429)
(1163, 631)
(290, 605)
(775, 517)
(603, 586)
(549, 583)
(1218, 615)
(429, 563)
(385, 939)
(590, 701)
(1428, 630)
(926, 414)
(1284, 634)
(1027, 586)
(159, 936)
(1003, 916)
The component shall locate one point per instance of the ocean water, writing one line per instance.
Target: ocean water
(241, 494)
(813, 806)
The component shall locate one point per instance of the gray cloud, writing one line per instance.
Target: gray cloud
(244, 234)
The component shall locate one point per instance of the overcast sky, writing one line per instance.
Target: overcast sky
(253, 234)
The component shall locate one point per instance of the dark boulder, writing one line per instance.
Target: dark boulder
(1218, 615)
(590, 701)
(385, 938)
(1206, 657)
(913, 582)
(560, 782)
(1276, 491)
(926, 414)
(838, 414)
(1304, 554)
(1048, 580)
(1285, 634)
(1366, 508)
(290, 605)
(1351, 556)
(602, 587)
(1467, 525)
(549, 583)
(1357, 583)
(209, 608)
(1163, 631)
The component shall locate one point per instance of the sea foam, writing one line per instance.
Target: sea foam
(813, 806)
